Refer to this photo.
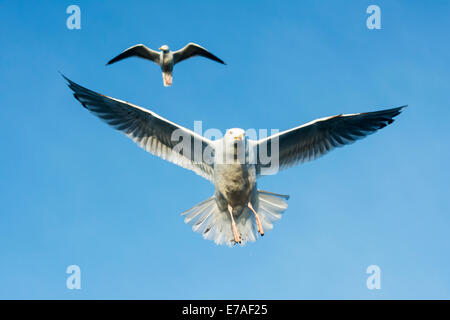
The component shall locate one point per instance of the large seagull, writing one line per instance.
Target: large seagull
(237, 212)
(166, 59)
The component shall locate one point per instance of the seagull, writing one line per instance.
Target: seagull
(166, 59)
(238, 212)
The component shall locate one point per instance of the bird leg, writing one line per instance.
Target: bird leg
(258, 221)
(237, 237)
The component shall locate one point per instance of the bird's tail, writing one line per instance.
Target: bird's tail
(167, 78)
(207, 219)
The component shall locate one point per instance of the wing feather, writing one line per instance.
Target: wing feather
(318, 137)
(148, 130)
(192, 50)
(138, 50)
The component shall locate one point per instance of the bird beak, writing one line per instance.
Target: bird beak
(239, 137)
(160, 48)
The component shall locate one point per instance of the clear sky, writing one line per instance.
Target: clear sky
(75, 192)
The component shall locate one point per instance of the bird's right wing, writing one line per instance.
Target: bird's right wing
(192, 50)
(138, 50)
(150, 131)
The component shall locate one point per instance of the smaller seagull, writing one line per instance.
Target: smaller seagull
(166, 59)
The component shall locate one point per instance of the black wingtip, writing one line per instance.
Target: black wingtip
(400, 109)
(113, 60)
(82, 103)
(62, 75)
(69, 82)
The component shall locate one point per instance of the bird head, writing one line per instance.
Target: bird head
(234, 146)
(164, 48)
(235, 135)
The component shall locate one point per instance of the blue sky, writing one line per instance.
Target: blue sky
(74, 191)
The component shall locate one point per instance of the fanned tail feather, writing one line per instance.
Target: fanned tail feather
(270, 207)
(213, 224)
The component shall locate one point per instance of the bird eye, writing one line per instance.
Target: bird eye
(231, 132)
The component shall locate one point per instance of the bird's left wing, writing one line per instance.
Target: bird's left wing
(318, 137)
(150, 131)
(192, 50)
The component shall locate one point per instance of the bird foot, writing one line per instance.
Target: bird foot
(259, 225)
(258, 220)
(237, 237)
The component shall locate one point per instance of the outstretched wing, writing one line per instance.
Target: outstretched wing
(138, 50)
(316, 138)
(192, 50)
(150, 131)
